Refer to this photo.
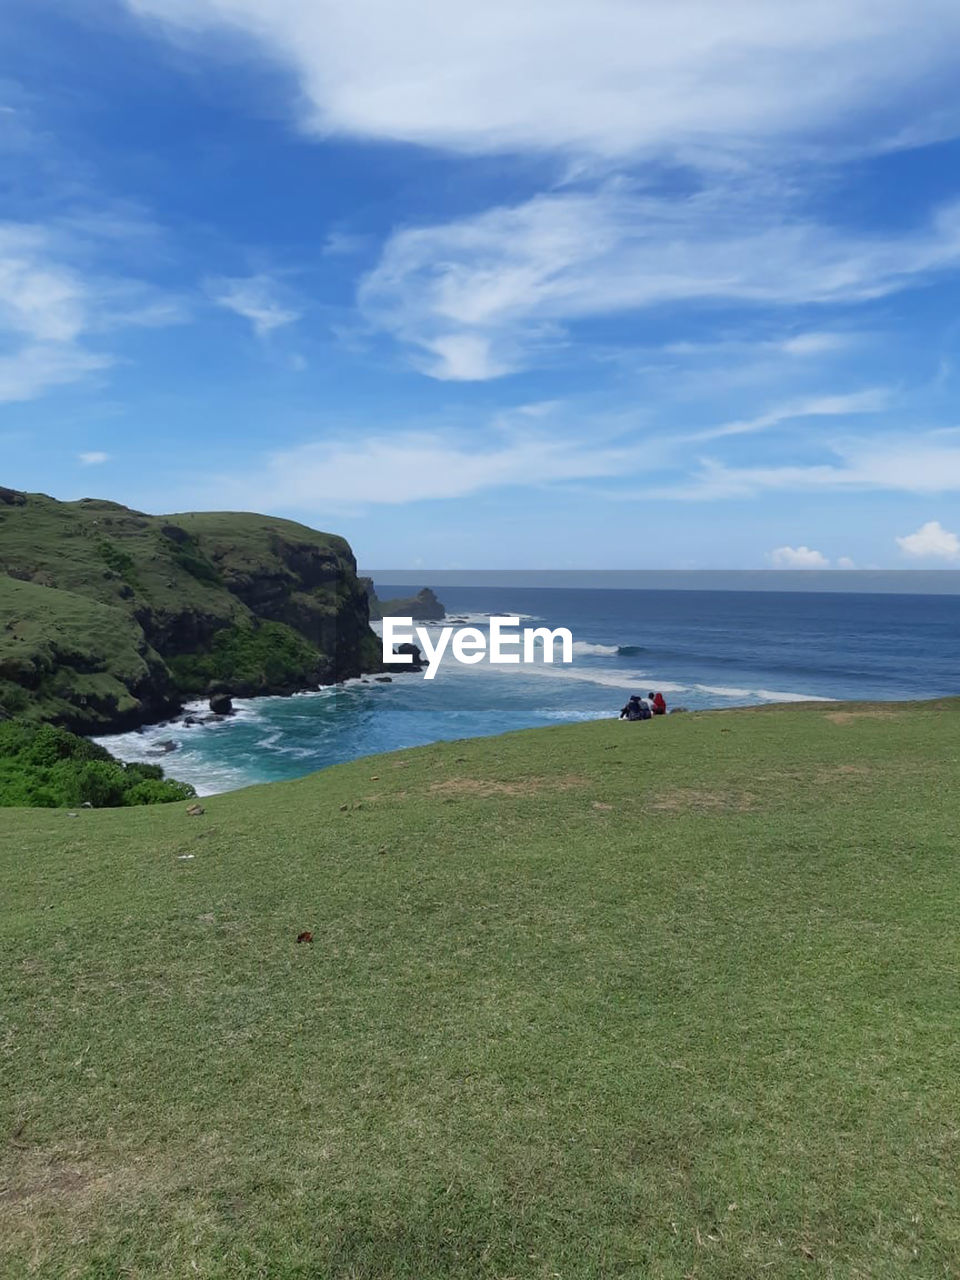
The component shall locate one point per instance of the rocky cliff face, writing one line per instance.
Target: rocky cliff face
(110, 618)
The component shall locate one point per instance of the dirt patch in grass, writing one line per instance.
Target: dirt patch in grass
(484, 787)
(50, 1179)
(867, 713)
(690, 800)
(59, 1181)
(843, 771)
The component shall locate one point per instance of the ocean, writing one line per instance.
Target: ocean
(700, 648)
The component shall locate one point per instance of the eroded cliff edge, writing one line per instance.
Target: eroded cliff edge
(111, 618)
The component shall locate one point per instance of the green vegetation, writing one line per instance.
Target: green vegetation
(185, 552)
(662, 1000)
(269, 656)
(48, 767)
(103, 609)
(67, 658)
(122, 564)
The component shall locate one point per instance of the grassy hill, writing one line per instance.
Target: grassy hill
(109, 618)
(674, 999)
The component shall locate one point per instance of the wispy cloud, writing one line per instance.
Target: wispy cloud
(808, 343)
(417, 466)
(255, 298)
(916, 464)
(40, 298)
(342, 244)
(478, 297)
(37, 368)
(540, 444)
(869, 400)
(94, 458)
(54, 303)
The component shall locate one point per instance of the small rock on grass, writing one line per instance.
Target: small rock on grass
(195, 810)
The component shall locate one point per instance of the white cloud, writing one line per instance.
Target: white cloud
(869, 400)
(342, 244)
(255, 298)
(542, 444)
(917, 464)
(734, 92)
(931, 542)
(37, 368)
(845, 562)
(414, 466)
(816, 344)
(798, 558)
(800, 344)
(500, 285)
(51, 308)
(601, 77)
(39, 297)
(93, 459)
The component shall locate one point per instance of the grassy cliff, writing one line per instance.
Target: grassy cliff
(640, 1000)
(109, 617)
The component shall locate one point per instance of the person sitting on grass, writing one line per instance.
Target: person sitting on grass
(658, 703)
(636, 709)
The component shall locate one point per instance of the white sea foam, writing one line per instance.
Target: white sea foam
(770, 695)
(463, 619)
(723, 691)
(607, 678)
(586, 649)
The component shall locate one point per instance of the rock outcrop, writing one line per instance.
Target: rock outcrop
(423, 607)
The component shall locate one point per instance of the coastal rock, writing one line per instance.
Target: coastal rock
(423, 607)
(402, 668)
(162, 748)
(221, 704)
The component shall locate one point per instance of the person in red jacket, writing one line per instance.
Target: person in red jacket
(658, 703)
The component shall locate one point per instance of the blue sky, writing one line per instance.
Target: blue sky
(560, 284)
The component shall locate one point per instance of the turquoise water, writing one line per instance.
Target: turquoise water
(701, 649)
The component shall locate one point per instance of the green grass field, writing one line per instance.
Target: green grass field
(676, 999)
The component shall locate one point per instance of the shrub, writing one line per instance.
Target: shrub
(184, 551)
(47, 767)
(269, 655)
(121, 562)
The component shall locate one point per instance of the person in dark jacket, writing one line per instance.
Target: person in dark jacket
(634, 709)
